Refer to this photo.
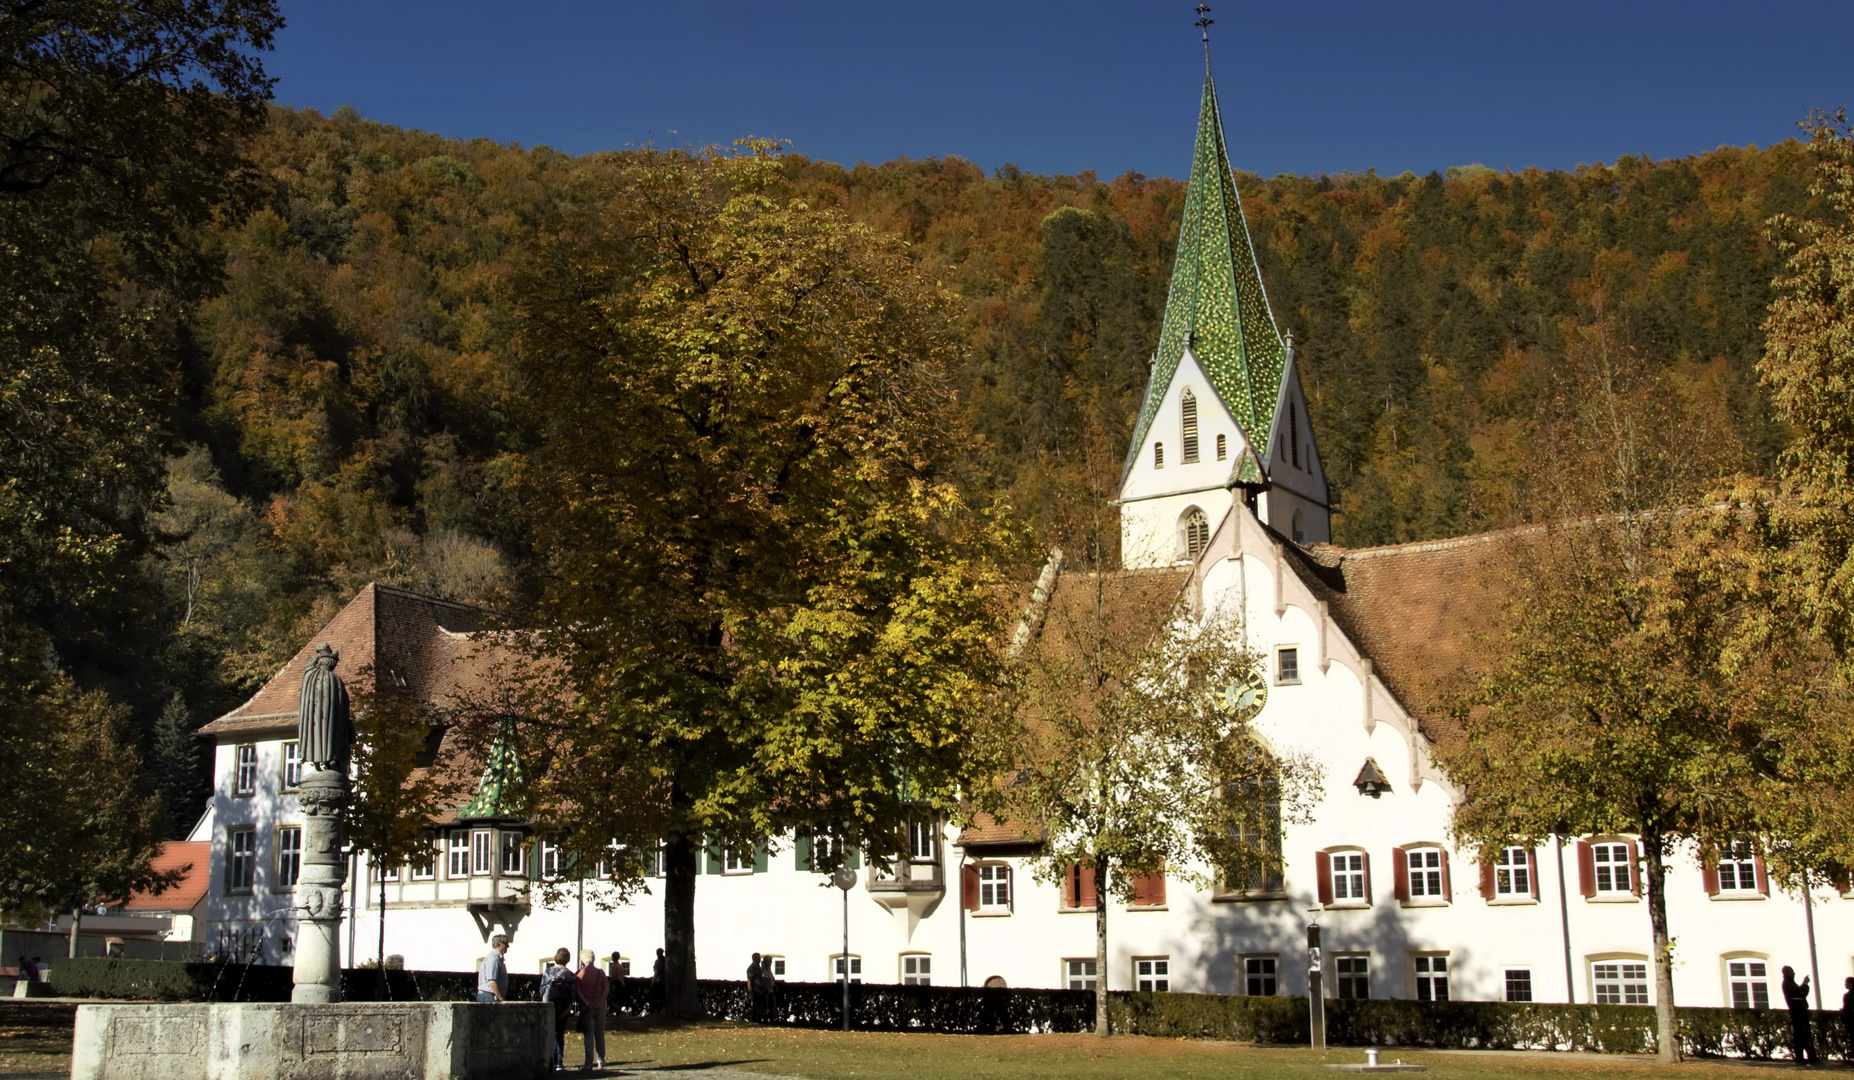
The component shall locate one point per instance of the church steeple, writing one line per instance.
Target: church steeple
(1216, 306)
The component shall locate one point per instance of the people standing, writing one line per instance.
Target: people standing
(769, 990)
(492, 979)
(560, 988)
(593, 986)
(1802, 1037)
(1847, 1017)
(656, 983)
(753, 988)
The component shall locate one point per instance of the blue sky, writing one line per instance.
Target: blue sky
(1325, 86)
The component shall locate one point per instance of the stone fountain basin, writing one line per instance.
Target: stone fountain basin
(297, 1041)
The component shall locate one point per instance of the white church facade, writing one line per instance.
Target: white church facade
(1223, 493)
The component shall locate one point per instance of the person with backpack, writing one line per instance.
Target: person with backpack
(560, 988)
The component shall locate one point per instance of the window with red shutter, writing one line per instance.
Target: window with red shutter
(1085, 892)
(969, 885)
(1586, 869)
(1400, 875)
(1323, 870)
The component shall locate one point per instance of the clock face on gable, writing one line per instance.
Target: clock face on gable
(1247, 695)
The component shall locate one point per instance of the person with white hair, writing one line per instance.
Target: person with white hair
(492, 979)
(593, 987)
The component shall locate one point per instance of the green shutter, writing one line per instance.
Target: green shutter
(803, 851)
(762, 854)
(714, 857)
(853, 858)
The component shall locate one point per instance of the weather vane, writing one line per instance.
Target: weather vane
(1203, 23)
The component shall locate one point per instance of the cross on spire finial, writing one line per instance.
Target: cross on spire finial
(1203, 23)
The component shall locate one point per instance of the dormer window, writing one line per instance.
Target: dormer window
(1158, 455)
(1188, 415)
(1223, 447)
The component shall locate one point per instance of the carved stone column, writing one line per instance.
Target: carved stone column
(324, 799)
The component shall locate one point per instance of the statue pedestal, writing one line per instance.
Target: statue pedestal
(324, 798)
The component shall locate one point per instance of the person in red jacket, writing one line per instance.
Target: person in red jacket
(594, 985)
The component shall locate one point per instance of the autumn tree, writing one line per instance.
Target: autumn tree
(1614, 699)
(1136, 755)
(769, 606)
(397, 795)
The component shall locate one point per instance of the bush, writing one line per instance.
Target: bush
(168, 980)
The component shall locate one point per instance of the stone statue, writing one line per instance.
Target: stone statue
(323, 731)
(324, 734)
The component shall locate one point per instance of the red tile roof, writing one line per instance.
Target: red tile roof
(193, 856)
(419, 641)
(1420, 612)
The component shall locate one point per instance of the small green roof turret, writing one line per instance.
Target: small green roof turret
(502, 779)
(1216, 305)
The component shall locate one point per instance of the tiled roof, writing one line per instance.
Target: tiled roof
(195, 856)
(1420, 612)
(1216, 303)
(985, 831)
(416, 640)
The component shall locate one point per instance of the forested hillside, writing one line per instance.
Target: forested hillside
(345, 414)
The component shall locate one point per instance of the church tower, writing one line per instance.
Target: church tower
(1223, 428)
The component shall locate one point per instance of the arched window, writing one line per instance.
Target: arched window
(1254, 802)
(1188, 415)
(1297, 529)
(1193, 533)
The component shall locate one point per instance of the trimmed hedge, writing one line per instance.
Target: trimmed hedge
(1490, 1025)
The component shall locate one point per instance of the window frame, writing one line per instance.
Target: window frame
(1257, 967)
(290, 777)
(835, 967)
(1508, 984)
(426, 870)
(1080, 972)
(1359, 877)
(1344, 980)
(736, 862)
(244, 770)
(1747, 875)
(1157, 980)
(482, 853)
(234, 858)
(1437, 889)
(1428, 966)
(995, 876)
(928, 830)
(281, 881)
(1622, 980)
(550, 857)
(512, 854)
(1507, 882)
(1287, 665)
(1608, 846)
(923, 973)
(457, 855)
(1753, 982)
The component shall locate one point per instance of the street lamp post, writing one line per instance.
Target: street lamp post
(845, 879)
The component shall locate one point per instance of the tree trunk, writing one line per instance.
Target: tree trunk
(1102, 1022)
(680, 997)
(383, 990)
(1666, 1041)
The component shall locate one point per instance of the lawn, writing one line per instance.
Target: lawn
(830, 1055)
(827, 1055)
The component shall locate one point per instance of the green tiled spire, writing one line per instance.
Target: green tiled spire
(1216, 303)
(495, 792)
